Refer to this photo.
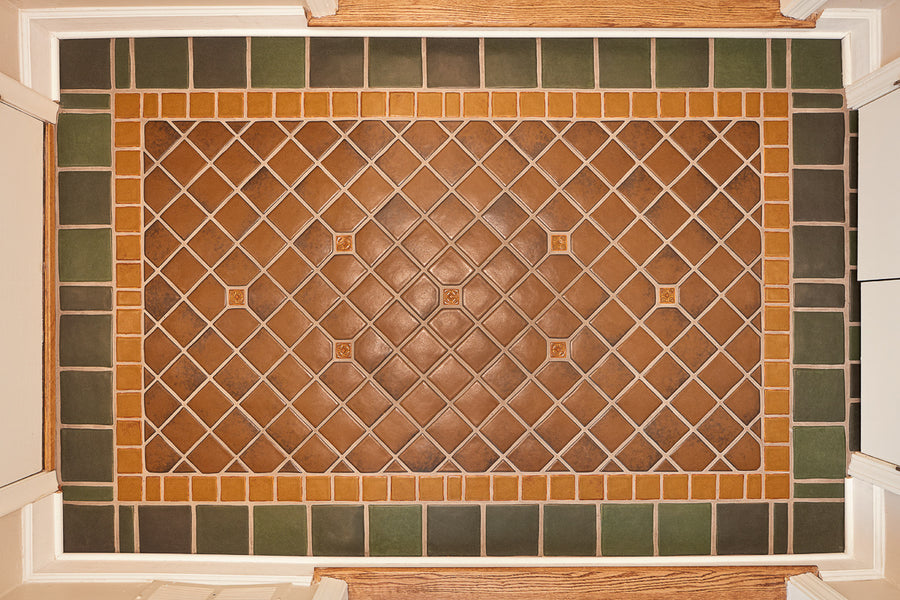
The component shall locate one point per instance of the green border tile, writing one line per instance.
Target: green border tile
(85, 197)
(126, 529)
(570, 530)
(223, 530)
(452, 62)
(83, 140)
(123, 63)
(87, 493)
(279, 530)
(395, 530)
(85, 297)
(819, 490)
(819, 395)
(395, 62)
(335, 62)
(337, 530)
(624, 62)
(161, 63)
(818, 338)
(816, 64)
(742, 528)
(818, 527)
(819, 295)
(453, 530)
(511, 530)
(84, 101)
(818, 138)
(84, 64)
(854, 425)
(780, 528)
(819, 195)
(818, 100)
(626, 530)
(165, 529)
(85, 341)
(88, 528)
(567, 63)
(682, 62)
(779, 63)
(510, 62)
(219, 62)
(739, 63)
(85, 255)
(819, 452)
(85, 397)
(818, 251)
(278, 62)
(86, 454)
(684, 529)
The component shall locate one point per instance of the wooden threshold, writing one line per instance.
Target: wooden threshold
(49, 297)
(638, 583)
(560, 13)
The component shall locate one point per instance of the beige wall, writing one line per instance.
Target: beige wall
(9, 40)
(10, 551)
(890, 32)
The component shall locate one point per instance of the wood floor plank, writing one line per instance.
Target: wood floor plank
(559, 13)
(650, 583)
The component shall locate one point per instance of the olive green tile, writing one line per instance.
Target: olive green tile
(742, 528)
(854, 121)
(278, 62)
(84, 64)
(88, 528)
(567, 63)
(86, 454)
(684, 529)
(818, 251)
(85, 297)
(854, 427)
(570, 530)
(510, 63)
(454, 530)
(819, 138)
(626, 530)
(279, 530)
(395, 530)
(83, 140)
(85, 397)
(819, 490)
(223, 530)
(818, 338)
(779, 63)
(87, 493)
(84, 101)
(739, 63)
(395, 62)
(85, 341)
(819, 452)
(126, 529)
(780, 528)
(855, 380)
(816, 64)
(85, 255)
(165, 529)
(220, 62)
(682, 63)
(818, 100)
(854, 210)
(85, 197)
(161, 63)
(123, 63)
(819, 395)
(853, 160)
(624, 62)
(818, 527)
(854, 342)
(819, 195)
(452, 62)
(819, 295)
(511, 530)
(335, 62)
(337, 530)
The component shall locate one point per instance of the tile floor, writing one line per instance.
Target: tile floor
(570, 297)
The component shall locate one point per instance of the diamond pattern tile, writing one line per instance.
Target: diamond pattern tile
(551, 358)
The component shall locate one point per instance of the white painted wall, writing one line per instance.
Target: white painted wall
(21, 300)
(10, 551)
(9, 40)
(890, 32)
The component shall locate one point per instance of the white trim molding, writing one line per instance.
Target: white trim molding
(860, 28)
(874, 85)
(322, 8)
(19, 494)
(877, 472)
(801, 9)
(30, 102)
(809, 587)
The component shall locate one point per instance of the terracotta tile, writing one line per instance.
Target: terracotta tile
(403, 488)
(775, 104)
(374, 488)
(532, 104)
(202, 105)
(346, 488)
(373, 104)
(616, 104)
(401, 104)
(775, 133)
(675, 487)
(619, 487)
(127, 134)
(588, 105)
(534, 487)
(454, 487)
(129, 460)
(590, 487)
(345, 104)
(562, 487)
(672, 104)
(153, 489)
(478, 487)
(776, 430)
(776, 160)
(128, 191)
(777, 402)
(176, 489)
(204, 489)
(776, 374)
(289, 488)
(129, 489)
(231, 105)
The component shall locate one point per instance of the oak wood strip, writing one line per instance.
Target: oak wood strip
(559, 13)
(639, 583)
(49, 297)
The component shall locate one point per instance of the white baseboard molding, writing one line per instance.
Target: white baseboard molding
(322, 8)
(19, 494)
(30, 102)
(874, 85)
(801, 9)
(877, 472)
(331, 589)
(809, 587)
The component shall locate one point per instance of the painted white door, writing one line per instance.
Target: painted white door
(21, 297)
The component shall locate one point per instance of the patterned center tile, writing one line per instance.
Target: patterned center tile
(452, 296)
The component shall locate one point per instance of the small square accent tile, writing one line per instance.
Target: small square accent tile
(343, 350)
(667, 295)
(343, 243)
(559, 242)
(450, 297)
(558, 350)
(237, 297)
